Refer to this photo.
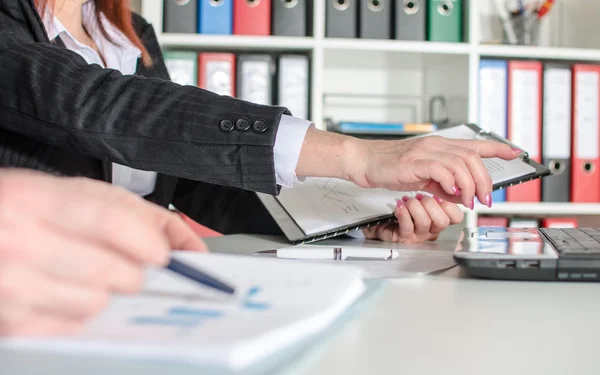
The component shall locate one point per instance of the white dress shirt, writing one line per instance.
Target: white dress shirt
(123, 57)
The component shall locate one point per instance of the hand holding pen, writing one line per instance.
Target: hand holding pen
(91, 240)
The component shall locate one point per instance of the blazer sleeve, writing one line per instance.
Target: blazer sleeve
(51, 94)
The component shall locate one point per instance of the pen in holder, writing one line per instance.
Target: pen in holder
(525, 28)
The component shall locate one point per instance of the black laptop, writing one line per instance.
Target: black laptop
(569, 254)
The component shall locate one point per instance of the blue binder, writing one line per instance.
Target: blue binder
(215, 17)
(493, 103)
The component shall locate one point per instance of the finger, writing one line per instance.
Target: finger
(439, 218)
(421, 220)
(97, 211)
(455, 214)
(490, 149)
(462, 175)
(369, 232)
(480, 174)
(58, 254)
(31, 289)
(101, 219)
(406, 226)
(437, 190)
(387, 232)
(178, 232)
(437, 172)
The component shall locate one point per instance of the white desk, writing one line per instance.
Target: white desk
(442, 324)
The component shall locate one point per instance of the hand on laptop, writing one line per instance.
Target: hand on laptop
(420, 219)
(66, 244)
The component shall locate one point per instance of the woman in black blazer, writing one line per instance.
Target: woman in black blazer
(63, 115)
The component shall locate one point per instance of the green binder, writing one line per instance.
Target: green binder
(444, 20)
(182, 67)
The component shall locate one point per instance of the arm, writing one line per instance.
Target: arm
(53, 95)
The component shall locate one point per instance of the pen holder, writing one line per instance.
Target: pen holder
(525, 29)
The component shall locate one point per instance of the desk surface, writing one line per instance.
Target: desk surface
(439, 324)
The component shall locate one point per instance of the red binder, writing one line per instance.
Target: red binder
(525, 121)
(252, 17)
(492, 221)
(585, 158)
(560, 222)
(216, 72)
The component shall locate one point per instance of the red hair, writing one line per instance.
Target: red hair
(118, 12)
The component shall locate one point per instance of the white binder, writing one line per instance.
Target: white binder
(293, 81)
(255, 78)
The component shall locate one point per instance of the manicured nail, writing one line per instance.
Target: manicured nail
(488, 200)
(419, 196)
(405, 198)
(472, 203)
(399, 204)
(438, 199)
(456, 191)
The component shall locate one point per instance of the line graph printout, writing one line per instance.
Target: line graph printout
(279, 303)
(322, 204)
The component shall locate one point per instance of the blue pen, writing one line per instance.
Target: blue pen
(198, 276)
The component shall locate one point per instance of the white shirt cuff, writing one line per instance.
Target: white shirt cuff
(288, 144)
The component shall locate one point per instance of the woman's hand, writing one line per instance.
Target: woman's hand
(452, 169)
(449, 168)
(66, 244)
(420, 219)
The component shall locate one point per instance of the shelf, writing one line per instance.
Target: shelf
(236, 41)
(550, 53)
(386, 45)
(540, 209)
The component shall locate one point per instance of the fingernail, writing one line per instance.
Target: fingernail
(438, 199)
(399, 204)
(516, 149)
(405, 198)
(488, 200)
(419, 196)
(472, 203)
(456, 191)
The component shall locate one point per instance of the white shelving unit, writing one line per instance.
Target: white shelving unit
(410, 69)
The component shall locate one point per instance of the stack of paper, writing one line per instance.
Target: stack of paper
(279, 303)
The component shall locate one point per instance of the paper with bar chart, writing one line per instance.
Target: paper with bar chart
(279, 303)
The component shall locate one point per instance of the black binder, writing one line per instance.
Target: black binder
(291, 17)
(410, 20)
(341, 18)
(375, 19)
(295, 234)
(181, 16)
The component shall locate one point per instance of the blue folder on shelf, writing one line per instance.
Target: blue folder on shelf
(493, 103)
(215, 17)
(351, 127)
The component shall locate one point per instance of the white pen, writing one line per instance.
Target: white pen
(334, 253)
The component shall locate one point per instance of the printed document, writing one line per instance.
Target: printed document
(280, 302)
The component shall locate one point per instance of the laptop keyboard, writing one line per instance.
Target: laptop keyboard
(573, 241)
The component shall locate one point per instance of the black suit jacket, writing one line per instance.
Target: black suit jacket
(61, 115)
